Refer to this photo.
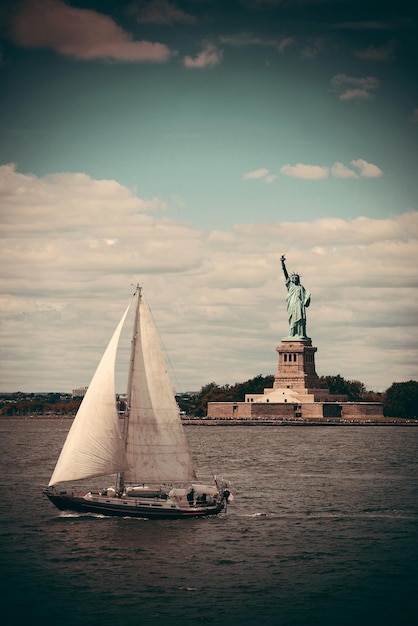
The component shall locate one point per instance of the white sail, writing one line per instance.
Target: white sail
(157, 447)
(94, 445)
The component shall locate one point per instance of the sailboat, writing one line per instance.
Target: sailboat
(145, 447)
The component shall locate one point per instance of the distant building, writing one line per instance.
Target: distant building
(80, 392)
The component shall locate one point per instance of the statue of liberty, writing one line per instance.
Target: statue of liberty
(297, 301)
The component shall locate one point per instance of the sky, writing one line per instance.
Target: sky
(185, 145)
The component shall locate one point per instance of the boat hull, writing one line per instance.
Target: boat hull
(149, 508)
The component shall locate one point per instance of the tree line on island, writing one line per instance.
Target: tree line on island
(399, 400)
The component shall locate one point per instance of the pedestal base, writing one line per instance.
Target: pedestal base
(296, 368)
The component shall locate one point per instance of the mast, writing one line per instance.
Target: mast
(120, 478)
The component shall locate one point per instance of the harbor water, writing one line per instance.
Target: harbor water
(323, 530)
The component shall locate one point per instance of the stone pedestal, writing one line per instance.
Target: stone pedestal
(296, 367)
(295, 395)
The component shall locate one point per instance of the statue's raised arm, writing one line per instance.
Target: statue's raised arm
(283, 259)
(297, 301)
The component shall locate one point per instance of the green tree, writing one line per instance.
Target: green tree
(254, 385)
(197, 404)
(353, 389)
(212, 393)
(401, 400)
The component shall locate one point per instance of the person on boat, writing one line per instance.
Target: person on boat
(190, 496)
(298, 299)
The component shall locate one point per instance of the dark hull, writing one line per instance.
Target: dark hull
(132, 507)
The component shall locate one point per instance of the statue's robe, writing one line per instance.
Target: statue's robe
(298, 298)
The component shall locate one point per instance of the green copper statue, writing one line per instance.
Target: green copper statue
(297, 300)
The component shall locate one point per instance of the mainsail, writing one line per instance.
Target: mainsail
(156, 445)
(94, 445)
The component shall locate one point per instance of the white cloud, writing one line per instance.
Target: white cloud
(301, 170)
(354, 87)
(366, 82)
(209, 57)
(339, 170)
(270, 178)
(384, 52)
(256, 174)
(318, 172)
(72, 247)
(160, 12)
(249, 39)
(81, 201)
(356, 94)
(262, 173)
(367, 170)
(80, 33)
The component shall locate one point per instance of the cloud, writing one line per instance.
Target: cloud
(161, 12)
(318, 172)
(209, 57)
(367, 82)
(334, 234)
(339, 170)
(300, 170)
(262, 173)
(367, 170)
(314, 47)
(414, 116)
(356, 94)
(270, 178)
(72, 246)
(80, 33)
(354, 88)
(377, 53)
(249, 39)
(80, 199)
(285, 43)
